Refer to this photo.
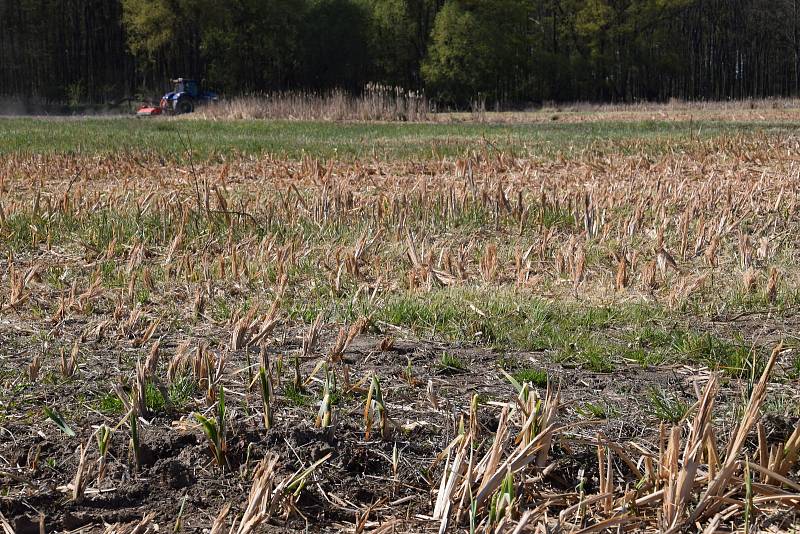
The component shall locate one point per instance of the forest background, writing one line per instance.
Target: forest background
(506, 53)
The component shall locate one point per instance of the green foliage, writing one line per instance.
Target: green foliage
(266, 396)
(247, 45)
(459, 51)
(295, 395)
(399, 38)
(56, 418)
(103, 439)
(214, 429)
(537, 377)
(181, 392)
(477, 50)
(212, 140)
(451, 363)
(666, 407)
(111, 404)
(732, 357)
(211, 430)
(588, 352)
(252, 45)
(794, 372)
(151, 25)
(591, 410)
(135, 442)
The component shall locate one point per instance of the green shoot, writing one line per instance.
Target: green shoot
(503, 500)
(375, 406)
(279, 369)
(209, 427)
(179, 520)
(473, 515)
(395, 460)
(266, 396)
(56, 418)
(298, 379)
(408, 373)
(214, 429)
(103, 436)
(221, 415)
(324, 415)
(297, 481)
(513, 381)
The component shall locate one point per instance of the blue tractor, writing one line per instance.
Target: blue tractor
(184, 97)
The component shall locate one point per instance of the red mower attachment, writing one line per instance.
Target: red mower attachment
(149, 111)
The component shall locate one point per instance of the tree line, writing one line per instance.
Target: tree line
(457, 51)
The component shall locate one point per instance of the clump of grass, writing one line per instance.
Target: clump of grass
(731, 357)
(592, 410)
(295, 396)
(588, 353)
(181, 392)
(537, 377)
(598, 362)
(782, 404)
(451, 363)
(503, 501)
(154, 399)
(507, 362)
(794, 371)
(111, 404)
(666, 407)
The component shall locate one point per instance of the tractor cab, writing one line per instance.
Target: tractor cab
(189, 87)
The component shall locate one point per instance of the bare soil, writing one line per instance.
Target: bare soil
(39, 461)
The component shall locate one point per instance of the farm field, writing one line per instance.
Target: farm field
(378, 327)
(537, 136)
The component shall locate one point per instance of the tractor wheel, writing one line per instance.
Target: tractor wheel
(185, 106)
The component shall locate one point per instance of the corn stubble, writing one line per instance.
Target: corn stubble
(239, 260)
(589, 223)
(695, 480)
